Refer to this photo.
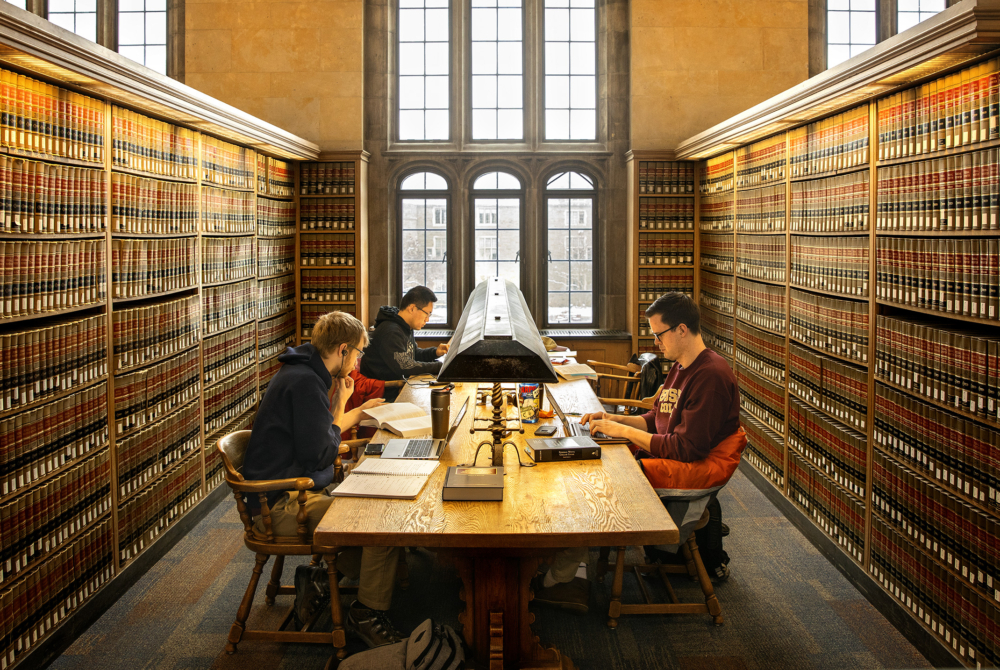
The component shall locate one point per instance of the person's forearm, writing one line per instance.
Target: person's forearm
(632, 421)
(638, 436)
(348, 420)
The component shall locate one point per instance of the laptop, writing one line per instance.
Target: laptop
(425, 449)
(576, 429)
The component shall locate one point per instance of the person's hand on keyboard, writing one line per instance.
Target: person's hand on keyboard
(608, 427)
(595, 416)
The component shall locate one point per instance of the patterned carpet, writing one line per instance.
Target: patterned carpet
(785, 607)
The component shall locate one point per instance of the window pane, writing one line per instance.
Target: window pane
(484, 25)
(837, 54)
(23, 4)
(156, 27)
(411, 125)
(424, 181)
(436, 94)
(912, 12)
(907, 20)
(570, 48)
(557, 124)
(570, 252)
(413, 242)
(411, 25)
(436, 25)
(510, 124)
(411, 59)
(838, 28)
(556, 24)
(436, 58)
(437, 125)
(862, 28)
(509, 93)
(484, 92)
(424, 82)
(850, 29)
(497, 48)
(557, 92)
(507, 181)
(156, 58)
(131, 28)
(583, 124)
(411, 92)
(425, 245)
(497, 237)
(509, 22)
(61, 6)
(484, 123)
(509, 58)
(582, 92)
(557, 58)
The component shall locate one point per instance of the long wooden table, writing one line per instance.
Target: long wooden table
(497, 546)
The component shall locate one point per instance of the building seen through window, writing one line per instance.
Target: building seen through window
(570, 214)
(496, 206)
(424, 243)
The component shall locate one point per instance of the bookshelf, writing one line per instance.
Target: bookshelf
(130, 335)
(332, 238)
(864, 318)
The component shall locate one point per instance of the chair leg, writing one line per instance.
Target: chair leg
(402, 571)
(615, 610)
(316, 560)
(275, 583)
(236, 631)
(602, 564)
(714, 608)
(339, 635)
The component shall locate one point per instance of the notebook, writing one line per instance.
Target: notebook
(402, 418)
(375, 478)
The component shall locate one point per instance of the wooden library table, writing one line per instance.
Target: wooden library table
(497, 546)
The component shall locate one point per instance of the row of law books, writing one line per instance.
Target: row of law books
(666, 177)
(654, 283)
(51, 199)
(837, 388)
(956, 110)
(717, 174)
(317, 250)
(959, 534)
(148, 394)
(37, 363)
(274, 335)
(275, 295)
(718, 331)
(760, 351)
(950, 450)
(942, 194)
(761, 162)
(948, 364)
(717, 214)
(148, 145)
(40, 277)
(225, 259)
(147, 267)
(280, 178)
(225, 211)
(35, 605)
(40, 118)
(956, 613)
(665, 248)
(143, 335)
(228, 305)
(839, 142)
(275, 257)
(44, 439)
(152, 510)
(275, 218)
(310, 315)
(666, 214)
(227, 352)
(834, 510)
(716, 253)
(227, 164)
(761, 257)
(953, 276)
(762, 398)
(831, 447)
(44, 519)
(836, 326)
(762, 305)
(230, 398)
(717, 292)
(761, 210)
(765, 448)
(152, 207)
(831, 264)
(328, 285)
(326, 178)
(144, 455)
(831, 205)
(327, 214)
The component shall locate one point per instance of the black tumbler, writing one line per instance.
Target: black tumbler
(440, 413)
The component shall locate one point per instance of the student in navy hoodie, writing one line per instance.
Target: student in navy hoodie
(393, 353)
(297, 434)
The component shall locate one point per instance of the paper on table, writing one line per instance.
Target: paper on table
(562, 354)
(380, 486)
(395, 467)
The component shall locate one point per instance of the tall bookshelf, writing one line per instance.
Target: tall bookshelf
(865, 318)
(128, 321)
(331, 265)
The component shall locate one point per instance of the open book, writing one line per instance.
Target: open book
(375, 478)
(576, 371)
(403, 418)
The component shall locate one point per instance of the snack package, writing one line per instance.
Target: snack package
(531, 401)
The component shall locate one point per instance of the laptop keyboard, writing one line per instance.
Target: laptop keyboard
(576, 430)
(418, 449)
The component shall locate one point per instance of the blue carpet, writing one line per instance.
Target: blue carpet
(785, 606)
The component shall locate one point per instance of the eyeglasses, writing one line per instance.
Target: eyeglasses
(426, 312)
(360, 352)
(656, 336)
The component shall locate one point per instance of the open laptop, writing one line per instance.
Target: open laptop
(576, 429)
(426, 449)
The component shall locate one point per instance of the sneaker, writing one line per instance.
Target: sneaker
(373, 626)
(312, 592)
(725, 529)
(572, 596)
(720, 572)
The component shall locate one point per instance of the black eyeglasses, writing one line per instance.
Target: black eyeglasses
(360, 352)
(429, 314)
(656, 336)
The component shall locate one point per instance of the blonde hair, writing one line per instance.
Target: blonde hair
(336, 328)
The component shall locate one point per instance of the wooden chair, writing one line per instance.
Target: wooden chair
(619, 386)
(694, 568)
(233, 448)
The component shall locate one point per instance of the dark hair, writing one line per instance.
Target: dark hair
(676, 308)
(420, 296)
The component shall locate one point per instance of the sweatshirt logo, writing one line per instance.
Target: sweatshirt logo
(405, 359)
(668, 400)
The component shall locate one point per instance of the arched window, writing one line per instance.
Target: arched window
(569, 198)
(496, 214)
(423, 207)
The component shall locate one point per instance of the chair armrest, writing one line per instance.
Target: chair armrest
(268, 485)
(602, 375)
(353, 447)
(623, 368)
(642, 404)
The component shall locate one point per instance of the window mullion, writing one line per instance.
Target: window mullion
(107, 24)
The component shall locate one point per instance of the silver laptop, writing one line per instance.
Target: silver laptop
(426, 449)
(576, 429)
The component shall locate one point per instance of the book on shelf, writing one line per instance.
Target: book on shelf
(395, 478)
(761, 209)
(327, 178)
(140, 205)
(47, 276)
(51, 199)
(402, 418)
(834, 204)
